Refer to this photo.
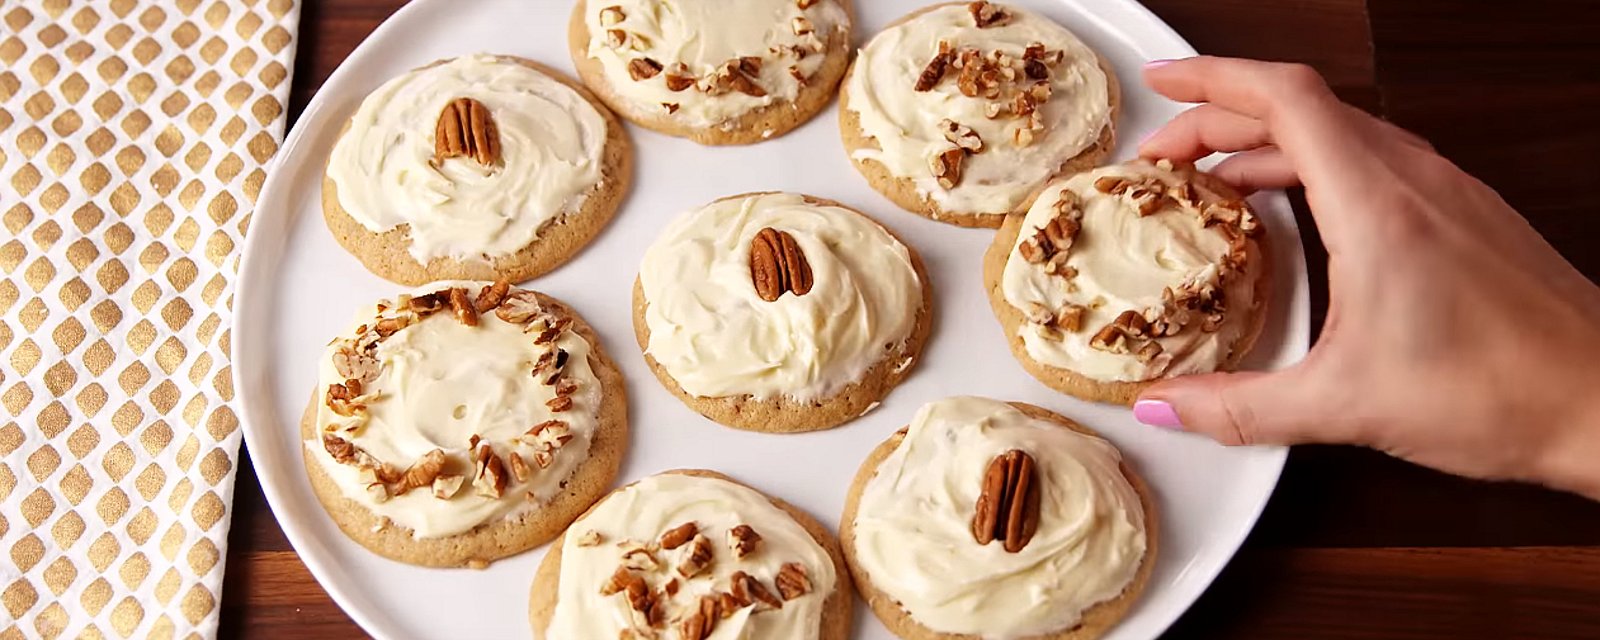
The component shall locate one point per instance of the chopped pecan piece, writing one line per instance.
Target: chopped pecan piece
(342, 398)
(934, 71)
(465, 129)
(420, 474)
(612, 15)
(778, 265)
(801, 25)
(590, 538)
(559, 403)
(744, 540)
(519, 468)
(489, 473)
(1114, 185)
(747, 590)
(1070, 318)
(1008, 508)
(946, 166)
(804, 4)
(696, 557)
(987, 15)
(621, 580)
(679, 77)
(678, 535)
(641, 69)
(343, 451)
(640, 559)
(519, 307)
(491, 296)
(961, 135)
(616, 38)
(461, 305)
(792, 581)
(446, 487)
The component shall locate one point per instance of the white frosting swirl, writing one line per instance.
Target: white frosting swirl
(552, 142)
(642, 512)
(717, 338)
(440, 383)
(905, 123)
(1124, 261)
(703, 35)
(913, 526)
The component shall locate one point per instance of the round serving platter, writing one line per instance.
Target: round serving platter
(298, 288)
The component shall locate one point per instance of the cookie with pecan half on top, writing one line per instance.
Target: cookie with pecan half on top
(780, 312)
(992, 519)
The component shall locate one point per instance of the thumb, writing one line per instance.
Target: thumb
(1282, 407)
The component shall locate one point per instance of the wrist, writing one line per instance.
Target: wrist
(1573, 461)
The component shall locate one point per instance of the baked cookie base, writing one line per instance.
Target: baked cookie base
(903, 190)
(387, 254)
(1096, 620)
(1111, 391)
(787, 415)
(836, 610)
(502, 538)
(756, 125)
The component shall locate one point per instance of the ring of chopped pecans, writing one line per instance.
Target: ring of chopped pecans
(490, 469)
(1197, 301)
(740, 74)
(651, 575)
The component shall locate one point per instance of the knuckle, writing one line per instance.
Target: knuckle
(1243, 426)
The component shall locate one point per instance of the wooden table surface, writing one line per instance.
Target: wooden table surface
(1353, 543)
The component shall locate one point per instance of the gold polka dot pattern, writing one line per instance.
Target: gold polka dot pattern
(133, 143)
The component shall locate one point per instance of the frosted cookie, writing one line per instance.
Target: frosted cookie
(962, 112)
(480, 167)
(463, 423)
(692, 554)
(712, 71)
(780, 312)
(998, 520)
(1129, 274)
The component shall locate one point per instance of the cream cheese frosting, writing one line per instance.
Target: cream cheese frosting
(712, 332)
(906, 125)
(552, 142)
(640, 513)
(913, 534)
(440, 383)
(1124, 261)
(703, 36)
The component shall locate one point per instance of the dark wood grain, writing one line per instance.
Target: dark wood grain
(1353, 544)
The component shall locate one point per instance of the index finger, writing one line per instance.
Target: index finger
(1251, 87)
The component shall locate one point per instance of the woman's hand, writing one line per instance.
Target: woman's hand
(1456, 337)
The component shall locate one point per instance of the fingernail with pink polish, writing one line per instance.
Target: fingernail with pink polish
(1157, 64)
(1156, 413)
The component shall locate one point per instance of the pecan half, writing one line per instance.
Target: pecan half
(678, 535)
(744, 540)
(792, 581)
(465, 129)
(987, 15)
(1008, 507)
(778, 266)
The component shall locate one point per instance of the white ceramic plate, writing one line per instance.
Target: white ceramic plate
(298, 288)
